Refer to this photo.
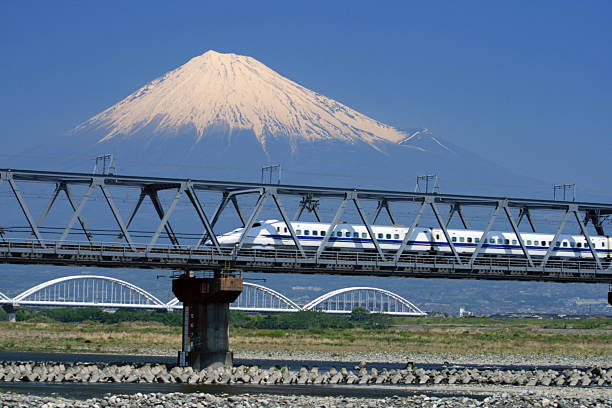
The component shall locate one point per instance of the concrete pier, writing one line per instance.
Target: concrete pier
(206, 318)
(11, 312)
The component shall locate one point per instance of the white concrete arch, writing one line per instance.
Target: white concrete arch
(88, 290)
(269, 301)
(259, 298)
(400, 306)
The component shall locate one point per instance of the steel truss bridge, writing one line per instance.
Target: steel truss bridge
(112, 293)
(161, 247)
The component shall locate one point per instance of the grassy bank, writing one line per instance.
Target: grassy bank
(338, 335)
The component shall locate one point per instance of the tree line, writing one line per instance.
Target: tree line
(359, 318)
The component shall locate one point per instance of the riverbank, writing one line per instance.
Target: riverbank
(440, 339)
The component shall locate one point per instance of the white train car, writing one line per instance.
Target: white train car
(272, 234)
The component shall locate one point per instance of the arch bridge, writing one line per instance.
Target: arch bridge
(112, 293)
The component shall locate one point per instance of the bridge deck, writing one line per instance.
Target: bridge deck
(292, 261)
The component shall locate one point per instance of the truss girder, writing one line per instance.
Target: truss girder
(310, 198)
(517, 233)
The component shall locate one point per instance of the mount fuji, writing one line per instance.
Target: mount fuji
(225, 115)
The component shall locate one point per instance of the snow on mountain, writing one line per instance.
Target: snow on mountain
(233, 92)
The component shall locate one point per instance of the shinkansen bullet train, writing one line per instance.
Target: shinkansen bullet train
(272, 234)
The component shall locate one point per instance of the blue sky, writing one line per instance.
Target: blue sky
(526, 83)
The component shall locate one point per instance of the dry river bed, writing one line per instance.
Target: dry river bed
(586, 385)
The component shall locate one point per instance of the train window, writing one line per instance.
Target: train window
(579, 244)
(477, 240)
(572, 244)
(306, 232)
(396, 236)
(469, 239)
(506, 241)
(528, 242)
(285, 229)
(461, 239)
(339, 233)
(278, 229)
(454, 239)
(257, 224)
(603, 244)
(437, 236)
(543, 243)
(322, 233)
(364, 235)
(564, 243)
(314, 232)
(298, 232)
(514, 242)
(388, 236)
(484, 241)
(558, 244)
(380, 236)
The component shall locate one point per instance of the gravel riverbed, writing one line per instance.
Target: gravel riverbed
(201, 400)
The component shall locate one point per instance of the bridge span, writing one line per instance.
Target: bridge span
(115, 244)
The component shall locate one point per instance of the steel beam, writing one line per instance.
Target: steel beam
(238, 210)
(224, 201)
(77, 213)
(287, 222)
(485, 233)
(141, 197)
(200, 210)
(88, 234)
(462, 217)
(444, 230)
(249, 224)
(517, 233)
(368, 227)
(411, 229)
(309, 203)
(588, 238)
(124, 230)
(524, 211)
(43, 215)
(333, 224)
(162, 215)
(383, 204)
(163, 224)
(26, 212)
(2, 234)
(556, 237)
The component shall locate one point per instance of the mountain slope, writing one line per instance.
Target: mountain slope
(230, 92)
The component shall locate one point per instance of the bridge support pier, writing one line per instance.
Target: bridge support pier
(206, 303)
(11, 312)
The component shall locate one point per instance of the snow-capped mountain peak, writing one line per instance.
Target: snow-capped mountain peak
(233, 92)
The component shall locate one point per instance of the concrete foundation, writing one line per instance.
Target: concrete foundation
(206, 319)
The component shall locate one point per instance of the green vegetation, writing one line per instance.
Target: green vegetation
(97, 315)
(308, 320)
(360, 318)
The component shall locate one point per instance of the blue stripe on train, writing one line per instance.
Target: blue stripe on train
(438, 244)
